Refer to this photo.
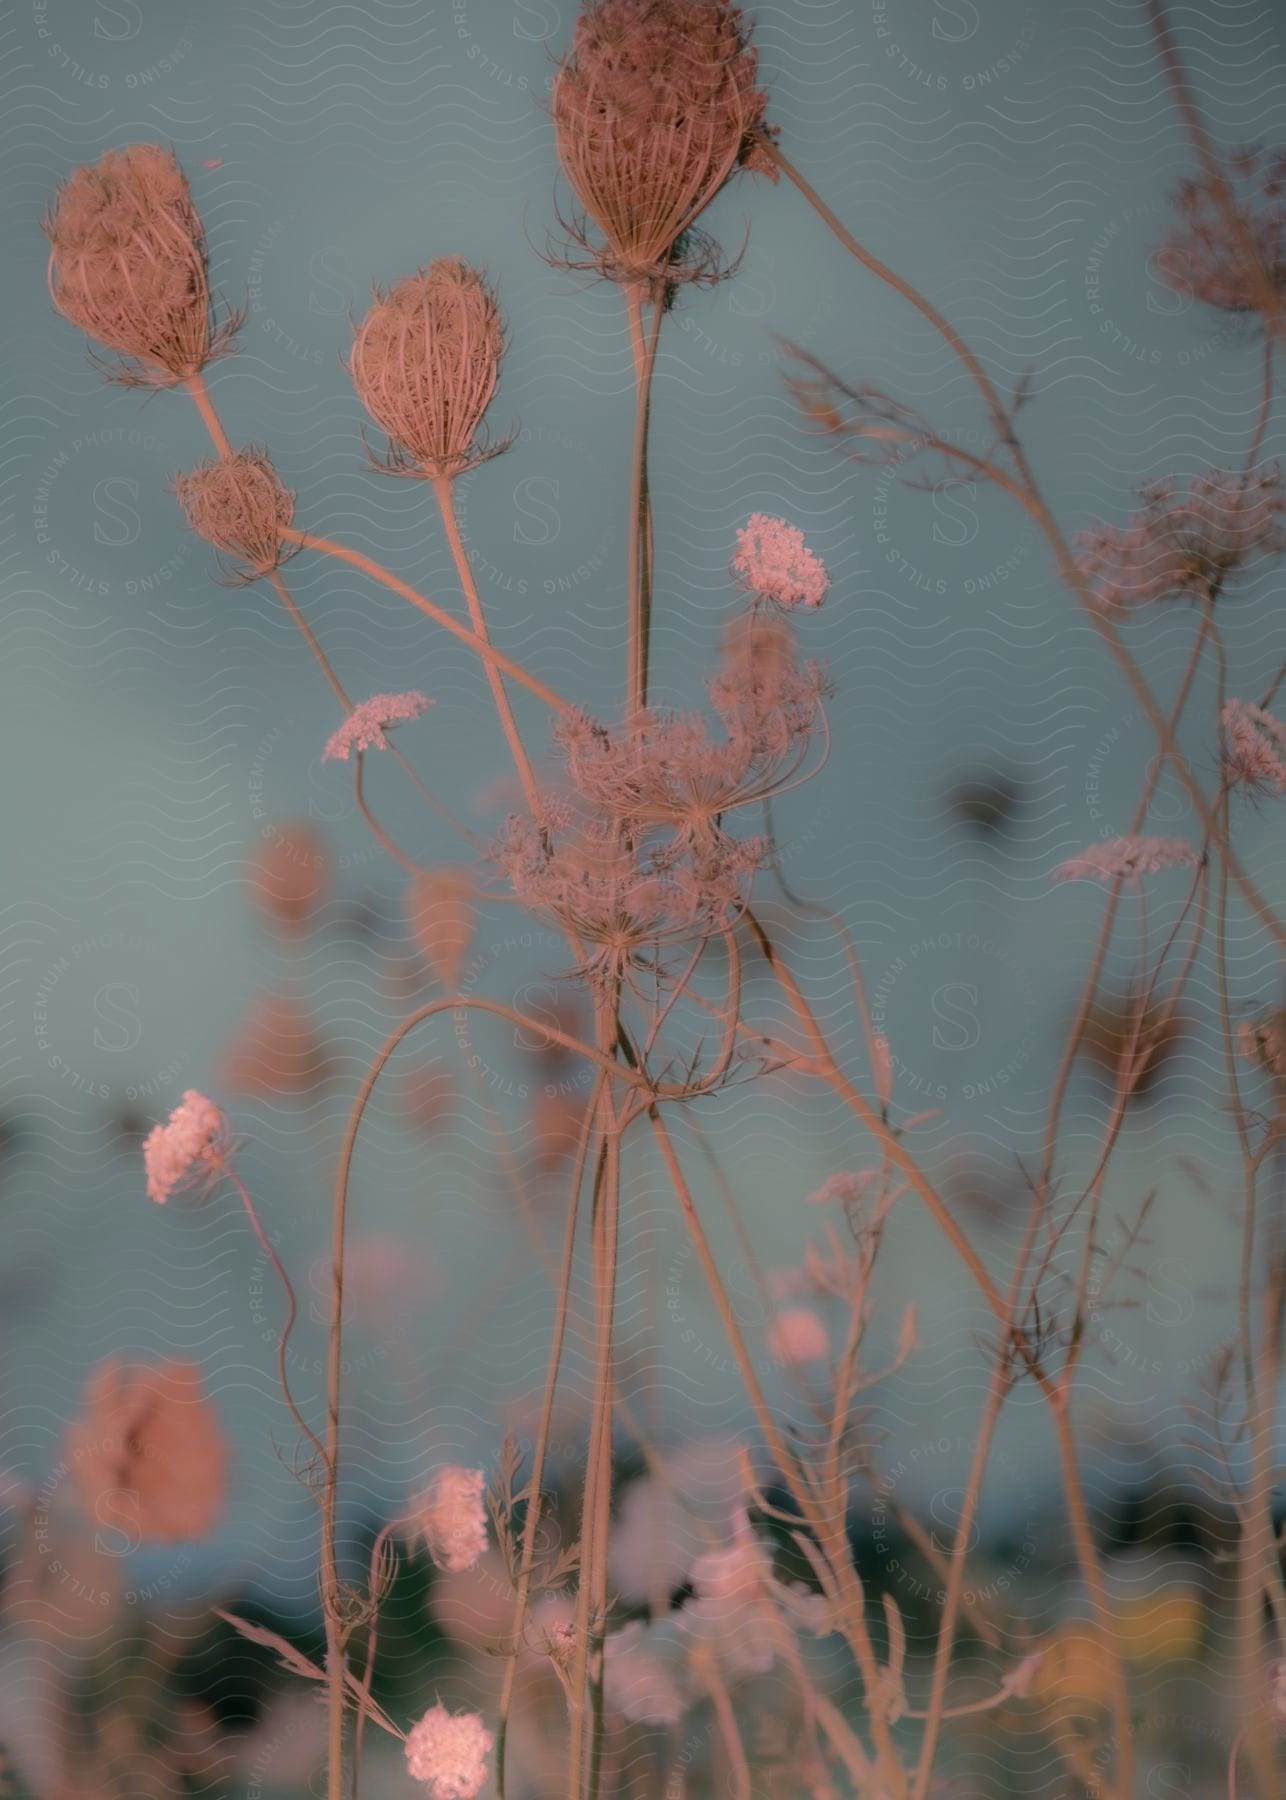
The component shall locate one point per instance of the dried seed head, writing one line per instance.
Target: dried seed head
(654, 108)
(147, 1455)
(1239, 270)
(127, 264)
(289, 874)
(425, 362)
(239, 504)
(1263, 1041)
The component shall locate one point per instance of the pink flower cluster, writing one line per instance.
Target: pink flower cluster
(1207, 256)
(1128, 858)
(188, 1149)
(1185, 541)
(1254, 746)
(448, 1752)
(776, 564)
(365, 726)
(741, 1612)
(452, 1517)
(797, 1335)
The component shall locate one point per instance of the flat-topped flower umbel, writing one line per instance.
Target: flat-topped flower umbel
(365, 726)
(1127, 858)
(448, 1752)
(188, 1150)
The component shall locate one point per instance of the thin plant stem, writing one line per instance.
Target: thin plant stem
(443, 487)
(497, 659)
(639, 557)
(292, 1306)
(531, 1520)
(828, 1525)
(1030, 497)
(1090, 987)
(999, 1388)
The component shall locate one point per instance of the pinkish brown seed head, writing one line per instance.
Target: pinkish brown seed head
(239, 504)
(127, 265)
(425, 363)
(147, 1455)
(1207, 256)
(655, 106)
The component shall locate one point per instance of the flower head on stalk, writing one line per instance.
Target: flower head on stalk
(425, 363)
(147, 1455)
(1128, 858)
(189, 1150)
(1254, 747)
(775, 563)
(739, 1610)
(1207, 256)
(127, 265)
(240, 504)
(625, 906)
(664, 778)
(655, 106)
(760, 690)
(365, 726)
(1263, 1041)
(451, 1517)
(1185, 540)
(448, 1752)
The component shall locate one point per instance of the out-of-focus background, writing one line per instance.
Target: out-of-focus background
(162, 732)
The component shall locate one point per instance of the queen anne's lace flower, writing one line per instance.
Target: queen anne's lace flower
(188, 1150)
(665, 773)
(452, 1517)
(1130, 857)
(425, 363)
(775, 563)
(625, 905)
(741, 1612)
(127, 265)
(1254, 746)
(637, 1684)
(448, 1752)
(1204, 255)
(147, 1456)
(846, 1185)
(365, 726)
(796, 1336)
(1185, 541)
(655, 106)
(239, 504)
